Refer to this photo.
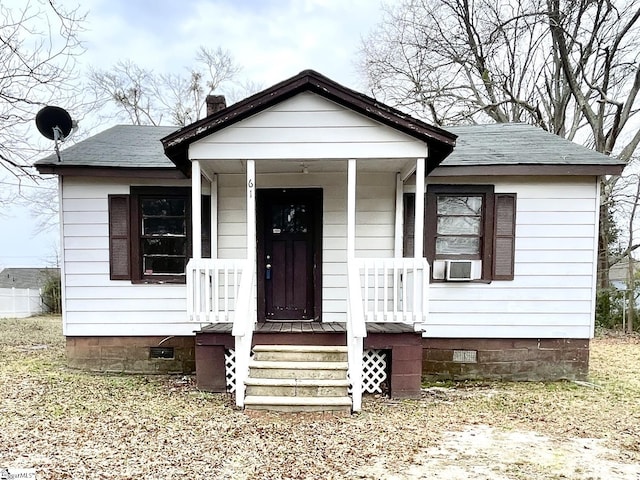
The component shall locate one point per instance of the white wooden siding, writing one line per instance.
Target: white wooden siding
(552, 293)
(307, 126)
(94, 304)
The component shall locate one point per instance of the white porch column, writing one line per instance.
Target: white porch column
(351, 209)
(196, 208)
(214, 216)
(243, 324)
(398, 235)
(418, 241)
(251, 209)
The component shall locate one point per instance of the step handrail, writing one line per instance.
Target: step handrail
(243, 328)
(356, 331)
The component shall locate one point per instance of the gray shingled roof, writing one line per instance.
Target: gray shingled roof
(132, 146)
(26, 277)
(496, 144)
(518, 144)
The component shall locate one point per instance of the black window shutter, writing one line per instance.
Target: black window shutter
(504, 236)
(409, 224)
(206, 226)
(119, 238)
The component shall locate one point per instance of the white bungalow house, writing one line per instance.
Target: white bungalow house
(326, 231)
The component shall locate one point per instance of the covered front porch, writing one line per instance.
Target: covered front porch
(307, 180)
(364, 303)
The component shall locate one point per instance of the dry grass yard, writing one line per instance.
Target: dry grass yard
(74, 425)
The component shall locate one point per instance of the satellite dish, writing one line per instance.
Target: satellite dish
(54, 123)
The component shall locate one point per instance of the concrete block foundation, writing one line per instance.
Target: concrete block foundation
(131, 354)
(505, 359)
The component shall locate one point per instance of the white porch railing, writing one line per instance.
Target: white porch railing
(394, 289)
(222, 291)
(213, 288)
(382, 290)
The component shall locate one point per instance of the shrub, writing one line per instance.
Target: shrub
(52, 293)
(609, 305)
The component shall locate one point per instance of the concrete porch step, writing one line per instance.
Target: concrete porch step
(293, 353)
(299, 370)
(298, 378)
(292, 387)
(298, 404)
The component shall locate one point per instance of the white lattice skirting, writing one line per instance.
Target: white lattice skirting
(230, 369)
(374, 370)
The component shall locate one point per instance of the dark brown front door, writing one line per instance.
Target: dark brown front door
(289, 249)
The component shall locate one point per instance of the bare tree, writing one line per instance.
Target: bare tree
(131, 89)
(143, 97)
(39, 47)
(631, 277)
(624, 211)
(571, 67)
(42, 202)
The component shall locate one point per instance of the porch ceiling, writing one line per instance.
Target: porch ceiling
(305, 166)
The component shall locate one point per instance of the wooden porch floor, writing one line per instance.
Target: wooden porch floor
(310, 327)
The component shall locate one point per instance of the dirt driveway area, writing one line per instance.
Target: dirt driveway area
(483, 452)
(73, 425)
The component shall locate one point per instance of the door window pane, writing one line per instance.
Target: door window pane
(290, 218)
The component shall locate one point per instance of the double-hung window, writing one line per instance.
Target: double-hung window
(466, 222)
(150, 234)
(163, 225)
(459, 226)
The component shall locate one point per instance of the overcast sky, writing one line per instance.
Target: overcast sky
(271, 39)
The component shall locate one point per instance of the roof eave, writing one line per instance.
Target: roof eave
(528, 170)
(110, 171)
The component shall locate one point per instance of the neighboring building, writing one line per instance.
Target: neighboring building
(20, 290)
(26, 277)
(619, 273)
(310, 214)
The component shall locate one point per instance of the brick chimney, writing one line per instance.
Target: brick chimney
(215, 103)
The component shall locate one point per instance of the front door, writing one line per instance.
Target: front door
(289, 251)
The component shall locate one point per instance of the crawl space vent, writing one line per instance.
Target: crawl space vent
(465, 356)
(161, 352)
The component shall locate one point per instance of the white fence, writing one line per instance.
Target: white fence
(20, 302)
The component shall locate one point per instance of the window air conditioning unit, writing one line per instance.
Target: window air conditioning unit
(458, 270)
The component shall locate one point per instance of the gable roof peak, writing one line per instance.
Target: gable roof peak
(176, 144)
